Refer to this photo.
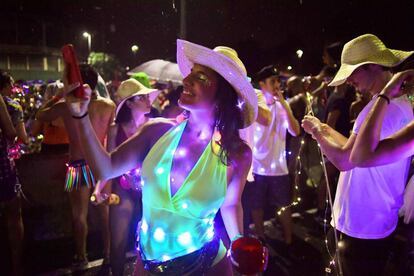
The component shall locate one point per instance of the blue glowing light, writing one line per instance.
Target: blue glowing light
(185, 239)
(191, 249)
(159, 234)
(210, 232)
(144, 226)
(166, 258)
(160, 170)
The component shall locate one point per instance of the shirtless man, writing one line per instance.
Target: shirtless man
(79, 179)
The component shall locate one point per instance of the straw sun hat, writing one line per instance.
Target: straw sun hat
(366, 49)
(224, 61)
(131, 88)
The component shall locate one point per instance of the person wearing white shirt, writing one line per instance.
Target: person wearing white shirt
(368, 196)
(270, 170)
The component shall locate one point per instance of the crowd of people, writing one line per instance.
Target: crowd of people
(216, 146)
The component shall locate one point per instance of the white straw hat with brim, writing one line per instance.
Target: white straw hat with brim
(224, 61)
(366, 49)
(131, 88)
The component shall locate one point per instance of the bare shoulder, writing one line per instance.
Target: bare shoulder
(296, 99)
(58, 109)
(105, 102)
(61, 105)
(161, 121)
(158, 125)
(153, 129)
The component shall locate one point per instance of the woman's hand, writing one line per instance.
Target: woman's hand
(395, 87)
(97, 197)
(77, 106)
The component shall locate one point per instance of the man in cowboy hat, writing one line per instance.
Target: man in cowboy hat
(365, 211)
(79, 179)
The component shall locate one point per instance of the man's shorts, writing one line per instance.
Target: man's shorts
(273, 190)
(78, 174)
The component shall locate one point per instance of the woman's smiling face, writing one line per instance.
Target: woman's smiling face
(200, 88)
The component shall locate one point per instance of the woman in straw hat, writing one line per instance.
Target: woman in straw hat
(131, 113)
(189, 170)
(365, 211)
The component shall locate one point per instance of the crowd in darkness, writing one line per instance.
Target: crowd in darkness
(298, 117)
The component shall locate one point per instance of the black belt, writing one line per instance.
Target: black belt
(195, 263)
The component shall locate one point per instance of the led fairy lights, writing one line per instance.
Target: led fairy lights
(298, 170)
(297, 200)
(336, 256)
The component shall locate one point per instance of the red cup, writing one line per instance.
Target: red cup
(248, 255)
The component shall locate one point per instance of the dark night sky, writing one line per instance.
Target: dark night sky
(263, 32)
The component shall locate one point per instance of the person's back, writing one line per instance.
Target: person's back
(55, 133)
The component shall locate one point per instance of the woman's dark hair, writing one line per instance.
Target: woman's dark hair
(405, 65)
(5, 79)
(89, 75)
(228, 119)
(124, 115)
(174, 95)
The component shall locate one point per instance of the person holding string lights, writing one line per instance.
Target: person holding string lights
(365, 211)
(189, 170)
(371, 149)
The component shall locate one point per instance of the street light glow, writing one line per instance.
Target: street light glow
(89, 38)
(299, 53)
(134, 48)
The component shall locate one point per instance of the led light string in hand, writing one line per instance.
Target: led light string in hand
(298, 171)
(309, 102)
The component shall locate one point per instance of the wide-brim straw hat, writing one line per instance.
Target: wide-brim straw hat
(224, 61)
(366, 49)
(130, 88)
